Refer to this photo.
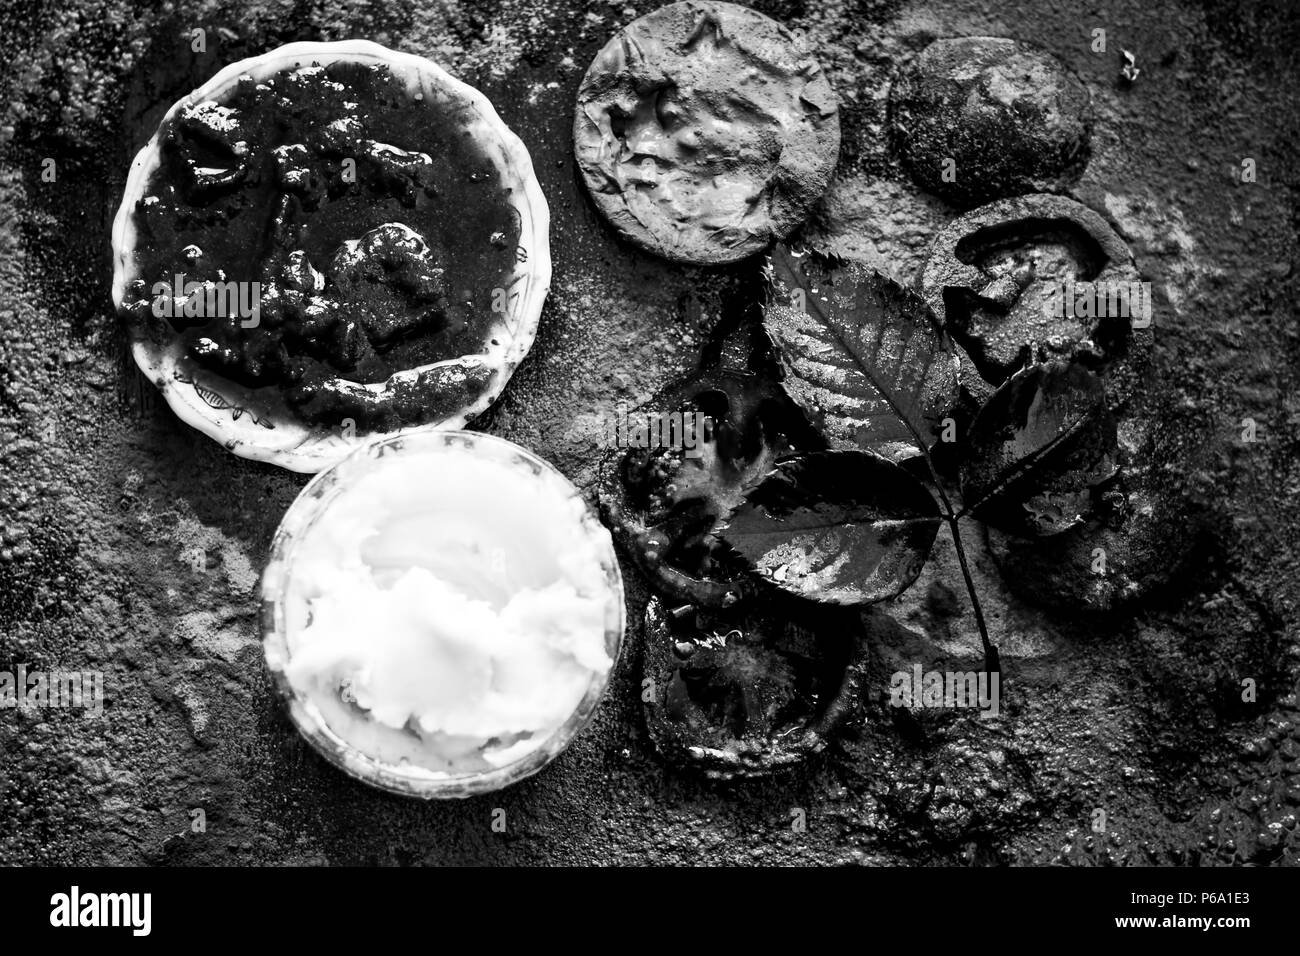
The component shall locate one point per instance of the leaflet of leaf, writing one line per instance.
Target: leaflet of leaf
(1037, 448)
(861, 355)
(840, 527)
(662, 502)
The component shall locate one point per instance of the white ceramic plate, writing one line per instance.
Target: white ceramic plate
(227, 411)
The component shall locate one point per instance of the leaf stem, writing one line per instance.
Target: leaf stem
(992, 663)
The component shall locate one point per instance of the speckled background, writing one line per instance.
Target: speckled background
(103, 492)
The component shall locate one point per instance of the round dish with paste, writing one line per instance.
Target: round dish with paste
(326, 242)
(704, 131)
(441, 611)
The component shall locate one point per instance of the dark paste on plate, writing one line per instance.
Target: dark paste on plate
(377, 228)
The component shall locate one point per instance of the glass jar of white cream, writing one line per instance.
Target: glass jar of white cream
(441, 611)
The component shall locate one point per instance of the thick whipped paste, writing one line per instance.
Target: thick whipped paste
(448, 611)
(703, 131)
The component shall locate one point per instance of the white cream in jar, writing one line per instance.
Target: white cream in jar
(449, 608)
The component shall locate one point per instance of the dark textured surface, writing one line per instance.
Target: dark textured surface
(1003, 117)
(103, 493)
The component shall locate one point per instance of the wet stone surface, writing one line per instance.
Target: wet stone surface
(130, 544)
